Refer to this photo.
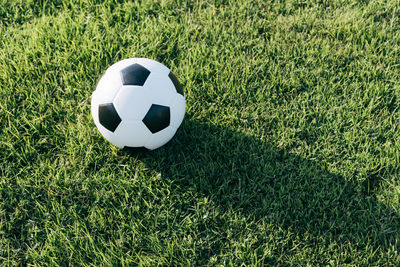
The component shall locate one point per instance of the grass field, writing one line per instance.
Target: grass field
(289, 153)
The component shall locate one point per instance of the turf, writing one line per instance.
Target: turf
(288, 154)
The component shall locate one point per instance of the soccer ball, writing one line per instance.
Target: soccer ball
(138, 102)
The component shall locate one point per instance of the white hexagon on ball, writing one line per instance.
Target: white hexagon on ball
(138, 102)
(132, 102)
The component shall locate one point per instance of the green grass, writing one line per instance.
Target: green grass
(289, 153)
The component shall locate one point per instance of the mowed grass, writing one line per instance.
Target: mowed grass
(288, 155)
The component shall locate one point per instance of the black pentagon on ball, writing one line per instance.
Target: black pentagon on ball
(109, 117)
(157, 118)
(134, 150)
(134, 74)
(178, 85)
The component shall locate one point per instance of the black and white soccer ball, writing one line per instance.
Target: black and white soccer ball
(137, 103)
